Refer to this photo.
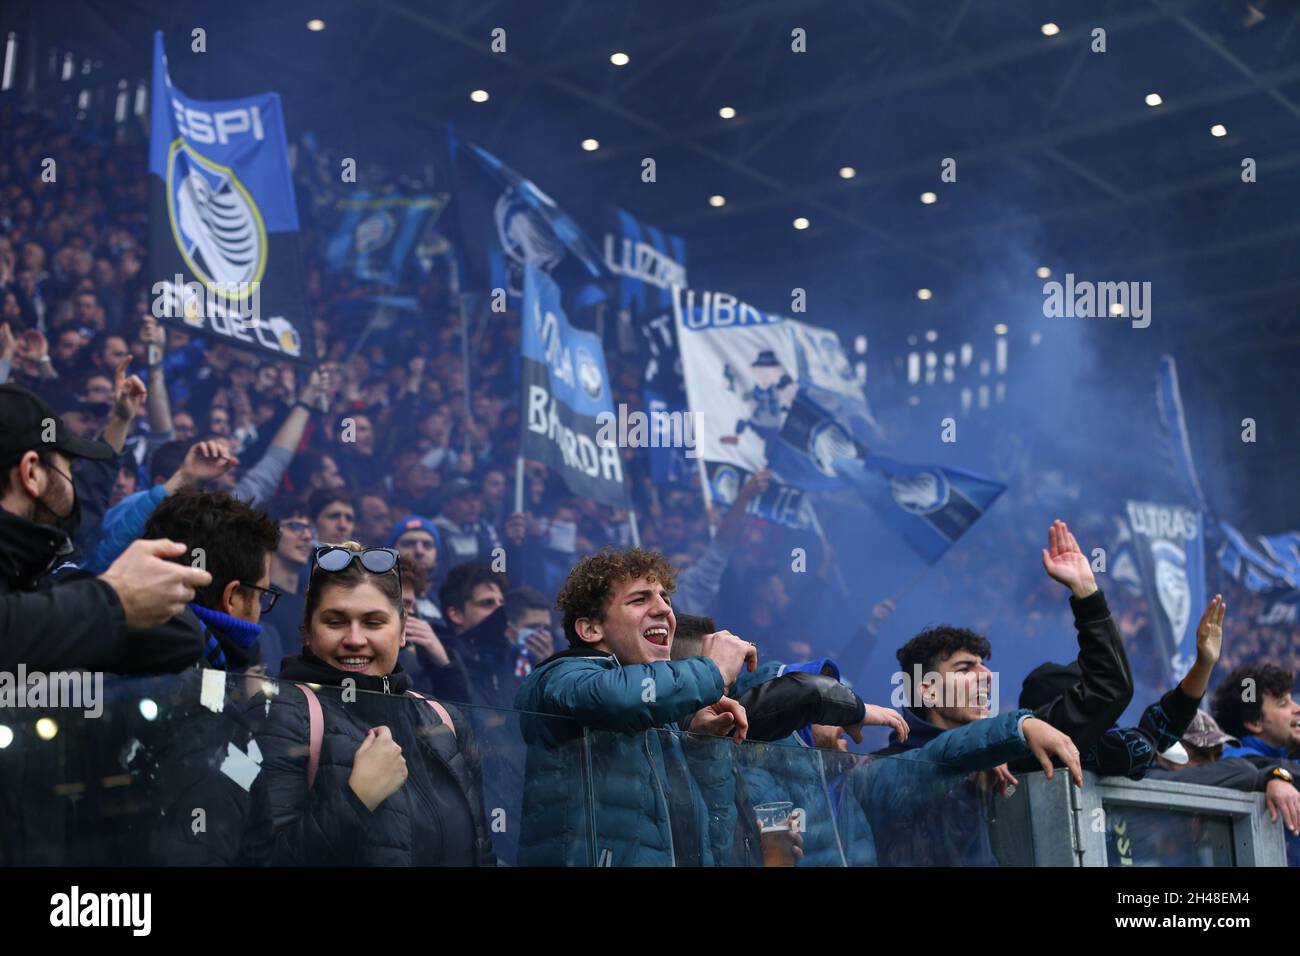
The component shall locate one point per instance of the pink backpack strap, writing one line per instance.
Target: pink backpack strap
(438, 708)
(317, 730)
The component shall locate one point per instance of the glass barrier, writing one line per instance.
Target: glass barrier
(785, 804)
(208, 768)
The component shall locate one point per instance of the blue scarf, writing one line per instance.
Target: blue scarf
(242, 634)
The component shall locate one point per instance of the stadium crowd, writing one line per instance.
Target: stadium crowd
(350, 526)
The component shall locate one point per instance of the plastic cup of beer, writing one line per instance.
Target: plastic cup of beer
(774, 817)
(775, 834)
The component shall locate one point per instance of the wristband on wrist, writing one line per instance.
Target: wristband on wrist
(301, 403)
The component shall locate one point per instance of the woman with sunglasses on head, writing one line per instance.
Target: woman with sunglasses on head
(349, 775)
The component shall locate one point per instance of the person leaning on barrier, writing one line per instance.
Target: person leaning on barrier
(1202, 762)
(55, 618)
(197, 754)
(1255, 703)
(802, 706)
(1132, 751)
(922, 804)
(658, 799)
(359, 771)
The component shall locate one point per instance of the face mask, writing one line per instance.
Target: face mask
(68, 523)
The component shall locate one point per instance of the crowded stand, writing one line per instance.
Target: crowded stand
(371, 630)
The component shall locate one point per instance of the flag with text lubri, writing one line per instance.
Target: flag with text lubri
(224, 254)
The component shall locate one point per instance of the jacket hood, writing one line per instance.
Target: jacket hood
(920, 733)
(575, 652)
(488, 637)
(28, 550)
(311, 669)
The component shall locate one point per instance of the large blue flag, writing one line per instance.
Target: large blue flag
(507, 222)
(822, 446)
(928, 506)
(224, 255)
(566, 396)
(1173, 424)
(374, 235)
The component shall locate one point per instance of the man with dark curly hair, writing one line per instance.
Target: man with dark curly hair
(1255, 703)
(595, 714)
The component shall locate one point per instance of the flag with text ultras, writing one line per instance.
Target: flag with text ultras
(1169, 542)
(224, 254)
(565, 397)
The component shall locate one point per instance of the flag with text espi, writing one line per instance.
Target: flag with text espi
(374, 236)
(649, 264)
(224, 254)
(1169, 542)
(506, 221)
(565, 393)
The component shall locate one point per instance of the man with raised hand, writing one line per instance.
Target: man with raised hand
(78, 621)
(605, 713)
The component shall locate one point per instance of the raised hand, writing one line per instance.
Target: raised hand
(1209, 633)
(1064, 561)
(129, 393)
(205, 461)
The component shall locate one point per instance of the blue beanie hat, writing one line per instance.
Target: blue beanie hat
(415, 523)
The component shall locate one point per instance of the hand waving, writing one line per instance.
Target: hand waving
(1064, 561)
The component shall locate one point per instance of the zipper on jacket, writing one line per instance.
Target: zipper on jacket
(668, 810)
(385, 680)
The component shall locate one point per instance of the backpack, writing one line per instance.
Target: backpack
(316, 724)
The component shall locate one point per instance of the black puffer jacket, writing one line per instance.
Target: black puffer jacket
(435, 819)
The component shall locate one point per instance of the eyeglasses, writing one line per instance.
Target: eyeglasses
(266, 597)
(295, 527)
(375, 560)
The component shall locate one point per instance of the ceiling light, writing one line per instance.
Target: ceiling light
(590, 145)
(619, 59)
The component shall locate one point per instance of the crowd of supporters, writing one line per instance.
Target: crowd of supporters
(350, 528)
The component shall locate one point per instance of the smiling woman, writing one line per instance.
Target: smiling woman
(351, 776)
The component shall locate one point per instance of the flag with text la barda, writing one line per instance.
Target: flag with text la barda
(374, 236)
(1169, 542)
(224, 254)
(565, 394)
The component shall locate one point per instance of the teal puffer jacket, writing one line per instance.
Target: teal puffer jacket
(607, 772)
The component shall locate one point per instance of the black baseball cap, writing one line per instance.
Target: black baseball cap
(24, 420)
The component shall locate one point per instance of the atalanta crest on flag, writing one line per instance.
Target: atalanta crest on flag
(223, 243)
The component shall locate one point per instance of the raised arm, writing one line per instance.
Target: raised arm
(1105, 687)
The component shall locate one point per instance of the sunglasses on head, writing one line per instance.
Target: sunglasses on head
(375, 560)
